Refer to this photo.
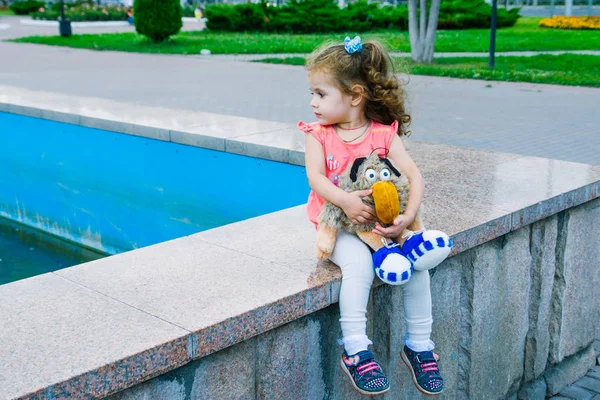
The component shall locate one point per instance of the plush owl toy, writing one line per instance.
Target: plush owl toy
(395, 260)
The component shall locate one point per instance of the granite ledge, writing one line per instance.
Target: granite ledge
(504, 192)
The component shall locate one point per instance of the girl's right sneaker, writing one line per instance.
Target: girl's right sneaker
(365, 373)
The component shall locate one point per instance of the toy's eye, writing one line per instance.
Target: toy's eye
(371, 175)
(384, 174)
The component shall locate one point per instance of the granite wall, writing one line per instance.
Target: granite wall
(513, 317)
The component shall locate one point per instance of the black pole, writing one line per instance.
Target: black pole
(493, 34)
(64, 26)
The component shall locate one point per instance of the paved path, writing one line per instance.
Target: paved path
(251, 57)
(546, 11)
(11, 27)
(588, 387)
(543, 120)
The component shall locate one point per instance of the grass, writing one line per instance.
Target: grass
(564, 69)
(525, 35)
(6, 12)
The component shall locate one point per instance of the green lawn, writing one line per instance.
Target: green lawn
(6, 12)
(565, 69)
(525, 35)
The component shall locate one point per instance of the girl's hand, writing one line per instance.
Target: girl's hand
(394, 230)
(355, 209)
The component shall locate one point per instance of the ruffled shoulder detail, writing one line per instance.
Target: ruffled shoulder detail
(385, 129)
(394, 127)
(314, 128)
(309, 128)
(385, 133)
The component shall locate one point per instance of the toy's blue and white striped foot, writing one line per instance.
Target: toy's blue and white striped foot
(427, 249)
(391, 266)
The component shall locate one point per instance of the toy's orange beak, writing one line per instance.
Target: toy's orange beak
(387, 202)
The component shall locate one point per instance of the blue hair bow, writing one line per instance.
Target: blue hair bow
(352, 46)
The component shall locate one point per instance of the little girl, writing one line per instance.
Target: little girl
(359, 106)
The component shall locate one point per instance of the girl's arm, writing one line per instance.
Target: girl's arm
(350, 202)
(405, 164)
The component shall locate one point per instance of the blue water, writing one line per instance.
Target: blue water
(26, 252)
(113, 192)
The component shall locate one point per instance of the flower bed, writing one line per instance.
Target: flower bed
(571, 22)
(84, 12)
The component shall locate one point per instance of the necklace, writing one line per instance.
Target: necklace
(353, 129)
(356, 138)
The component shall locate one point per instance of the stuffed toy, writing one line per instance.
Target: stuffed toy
(394, 261)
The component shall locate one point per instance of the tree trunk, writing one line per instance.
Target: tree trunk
(422, 35)
(568, 7)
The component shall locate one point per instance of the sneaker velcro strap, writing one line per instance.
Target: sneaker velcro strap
(365, 355)
(425, 356)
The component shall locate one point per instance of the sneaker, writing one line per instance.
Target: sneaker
(365, 373)
(425, 371)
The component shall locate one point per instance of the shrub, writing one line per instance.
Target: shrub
(221, 17)
(571, 22)
(309, 16)
(26, 6)
(84, 13)
(157, 19)
(391, 17)
(465, 14)
(188, 11)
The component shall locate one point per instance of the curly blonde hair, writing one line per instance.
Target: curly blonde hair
(373, 69)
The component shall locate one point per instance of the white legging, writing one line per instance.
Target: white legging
(354, 258)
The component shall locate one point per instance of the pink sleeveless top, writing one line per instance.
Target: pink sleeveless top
(339, 155)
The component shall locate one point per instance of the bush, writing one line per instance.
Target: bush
(307, 16)
(157, 19)
(84, 13)
(188, 11)
(310, 16)
(25, 7)
(465, 14)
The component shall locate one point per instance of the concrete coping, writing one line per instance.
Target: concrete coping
(100, 327)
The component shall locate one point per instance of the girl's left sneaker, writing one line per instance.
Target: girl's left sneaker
(424, 370)
(365, 373)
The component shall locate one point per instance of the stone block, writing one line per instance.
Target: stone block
(589, 383)
(543, 260)
(533, 391)
(576, 393)
(448, 311)
(499, 324)
(575, 305)
(337, 385)
(227, 374)
(288, 362)
(156, 389)
(594, 373)
(568, 371)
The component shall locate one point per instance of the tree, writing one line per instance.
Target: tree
(157, 19)
(421, 30)
(568, 7)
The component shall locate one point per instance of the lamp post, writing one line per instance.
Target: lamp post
(64, 25)
(493, 35)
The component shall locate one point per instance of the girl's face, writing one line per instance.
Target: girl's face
(329, 104)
